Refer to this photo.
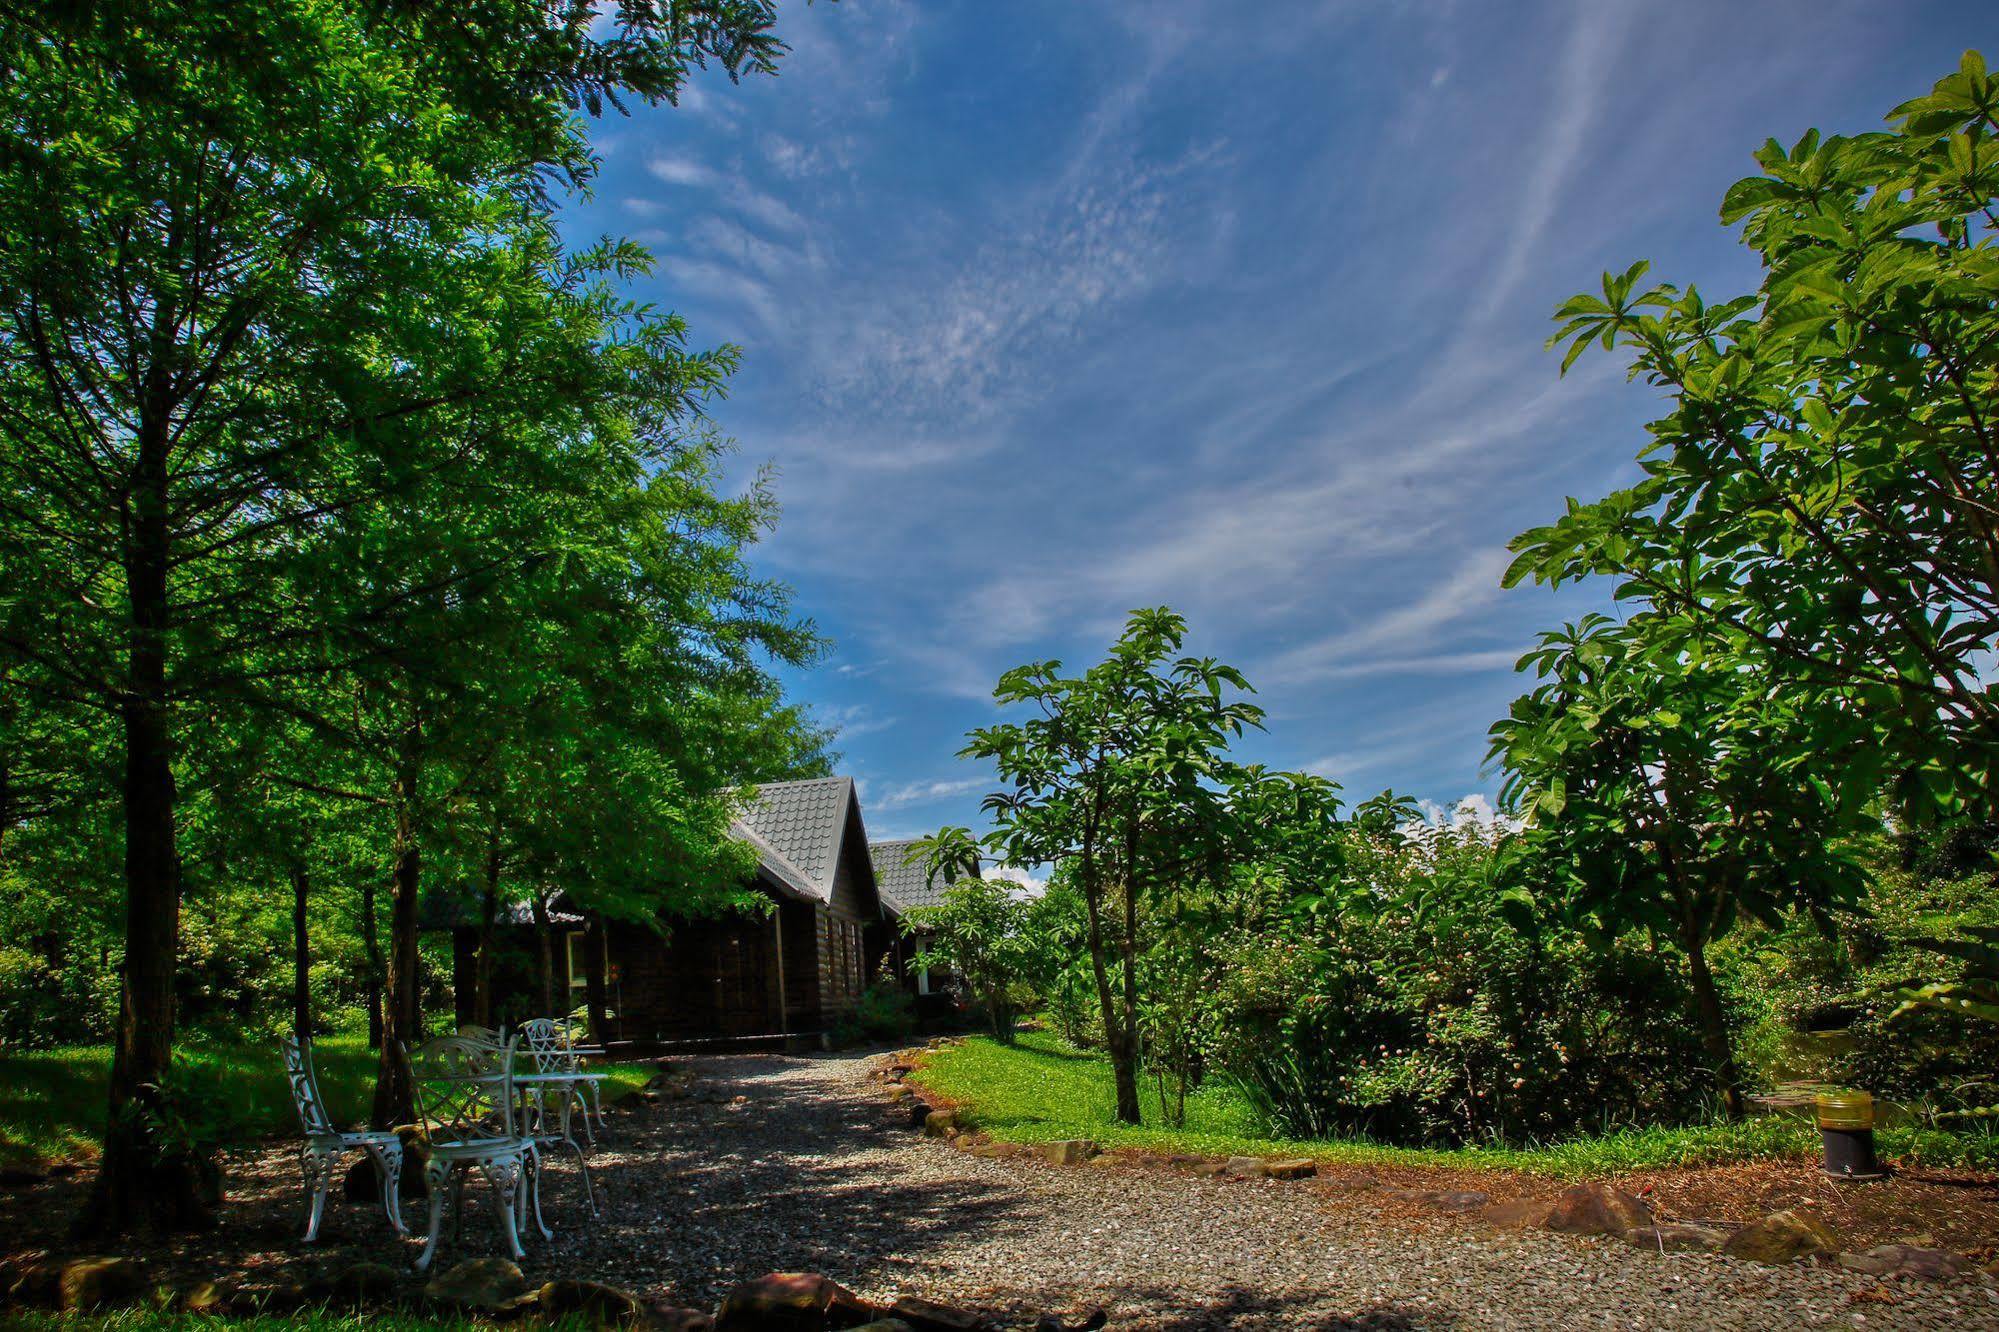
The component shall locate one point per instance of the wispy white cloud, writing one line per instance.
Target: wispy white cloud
(1590, 61)
(907, 794)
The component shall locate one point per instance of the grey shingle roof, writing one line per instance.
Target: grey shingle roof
(903, 885)
(796, 829)
(442, 912)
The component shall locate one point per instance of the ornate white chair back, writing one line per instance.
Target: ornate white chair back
(548, 1042)
(464, 1089)
(312, 1117)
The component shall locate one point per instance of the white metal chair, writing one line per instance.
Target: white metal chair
(551, 1044)
(325, 1145)
(559, 1077)
(466, 1100)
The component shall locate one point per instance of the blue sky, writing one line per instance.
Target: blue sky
(1050, 310)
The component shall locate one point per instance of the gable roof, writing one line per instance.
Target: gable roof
(797, 829)
(456, 911)
(903, 885)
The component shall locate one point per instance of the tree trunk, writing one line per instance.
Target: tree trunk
(595, 992)
(1714, 1030)
(1126, 1059)
(130, 1181)
(301, 955)
(1093, 895)
(544, 934)
(489, 911)
(394, 1097)
(371, 950)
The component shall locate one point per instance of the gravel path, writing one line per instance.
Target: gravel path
(806, 1174)
(792, 1164)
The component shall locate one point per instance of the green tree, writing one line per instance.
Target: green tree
(265, 267)
(1661, 794)
(1120, 773)
(978, 929)
(1818, 502)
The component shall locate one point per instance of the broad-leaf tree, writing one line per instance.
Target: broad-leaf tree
(1661, 795)
(1119, 771)
(1821, 501)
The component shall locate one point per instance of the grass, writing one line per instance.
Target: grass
(52, 1101)
(1043, 1090)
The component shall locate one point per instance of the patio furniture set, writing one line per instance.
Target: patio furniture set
(487, 1101)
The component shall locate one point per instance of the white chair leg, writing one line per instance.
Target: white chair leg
(435, 1175)
(317, 1167)
(535, 1164)
(389, 1166)
(505, 1177)
(582, 1166)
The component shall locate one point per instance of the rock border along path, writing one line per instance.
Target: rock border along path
(808, 1172)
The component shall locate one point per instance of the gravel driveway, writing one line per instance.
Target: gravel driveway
(806, 1174)
(792, 1164)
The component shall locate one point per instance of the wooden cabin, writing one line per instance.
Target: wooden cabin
(791, 972)
(903, 886)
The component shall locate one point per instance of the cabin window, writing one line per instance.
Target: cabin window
(579, 980)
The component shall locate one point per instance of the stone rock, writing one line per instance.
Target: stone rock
(594, 1302)
(1089, 1321)
(930, 1316)
(940, 1123)
(205, 1297)
(1296, 1168)
(101, 1283)
(1596, 1209)
(274, 1297)
(363, 1283)
(915, 1113)
(484, 1285)
(1460, 1200)
(363, 1185)
(1676, 1237)
(33, 1280)
(885, 1325)
(1249, 1167)
(676, 1319)
(1444, 1200)
(1908, 1260)
(1517, 1213)
(21, 1175)
(1069, 1152)
(1782, 1237)
(792, 1302)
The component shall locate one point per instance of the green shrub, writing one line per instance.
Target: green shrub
(884, 1012)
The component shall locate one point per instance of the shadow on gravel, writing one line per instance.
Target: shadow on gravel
(694, 1196)
(1239, 1310)
(773, 1185)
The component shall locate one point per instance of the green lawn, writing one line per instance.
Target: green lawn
(52, 1101)
(1041, 1090)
